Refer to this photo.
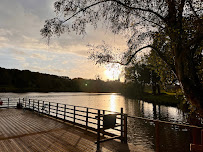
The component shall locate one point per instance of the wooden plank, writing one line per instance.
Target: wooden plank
(9, 147)
(12, 125)
(6, 148)
(2, 147)
(15, 146)
(30, 134)
(54, 141)
(29, 142)
(5, 128)
(22, 144)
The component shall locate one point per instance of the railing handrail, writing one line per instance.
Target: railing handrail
(55, 105)
(73, 105)
(136, 117)
(142, 118)
(166, 122)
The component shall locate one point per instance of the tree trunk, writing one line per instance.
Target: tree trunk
(189, 81)
(153, 88)
(158, 89)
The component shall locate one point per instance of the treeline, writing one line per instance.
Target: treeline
(13, 80)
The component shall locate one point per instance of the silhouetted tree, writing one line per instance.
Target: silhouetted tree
(175, 26)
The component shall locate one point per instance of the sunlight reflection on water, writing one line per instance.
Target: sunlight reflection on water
(113, 103)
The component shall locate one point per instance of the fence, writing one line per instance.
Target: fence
(9, 102)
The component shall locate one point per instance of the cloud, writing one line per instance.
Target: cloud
(22, 46)
(19, 58)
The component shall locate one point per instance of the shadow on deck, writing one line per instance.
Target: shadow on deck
(26, 131)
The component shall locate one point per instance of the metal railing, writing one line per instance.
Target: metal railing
(9, 102)
(90, 118)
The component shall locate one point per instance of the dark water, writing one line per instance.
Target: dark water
(140, 132)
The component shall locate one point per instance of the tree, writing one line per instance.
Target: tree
(155, 63)
(171, 28)
(142, 74)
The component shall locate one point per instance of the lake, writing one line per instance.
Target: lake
(140, 132)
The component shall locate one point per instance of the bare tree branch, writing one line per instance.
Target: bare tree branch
(141, 9)
(190, 3)
(118, 2)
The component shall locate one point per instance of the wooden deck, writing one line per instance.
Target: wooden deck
(26, 131)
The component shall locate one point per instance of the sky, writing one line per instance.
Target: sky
(22, 47)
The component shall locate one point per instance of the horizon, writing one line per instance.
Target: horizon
(62, 75)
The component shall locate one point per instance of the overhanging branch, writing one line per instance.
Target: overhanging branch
(161, 55)
(141, 9)
(118, 2)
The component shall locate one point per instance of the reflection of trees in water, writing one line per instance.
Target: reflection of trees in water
(142, 132)
(139, 131)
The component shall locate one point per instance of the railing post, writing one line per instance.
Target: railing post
(98, 132)
(157, 135)
(197, 140)
(49, 107)
(122, 131)
(87, 118)
(64, 116)
(19, 102)
(33, 105)
(57, 109)
(43, 108)
(125, 128)
(74, 115)
(29, 103)
(8, 102)
(103, 132)
(25, 103)
(202, 137)
(196, 136)
(38, 106)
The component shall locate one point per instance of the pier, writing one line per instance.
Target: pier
(34, 125)
(25, 131)
(30, 127)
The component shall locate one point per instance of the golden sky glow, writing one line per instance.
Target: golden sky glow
(113, 73)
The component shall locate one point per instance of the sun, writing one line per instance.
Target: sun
(113, 72)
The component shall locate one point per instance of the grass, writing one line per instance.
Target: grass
(167, 99)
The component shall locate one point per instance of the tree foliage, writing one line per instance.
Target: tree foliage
(144, 75)
(26, 81)
(171, 28)
(165, 73)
